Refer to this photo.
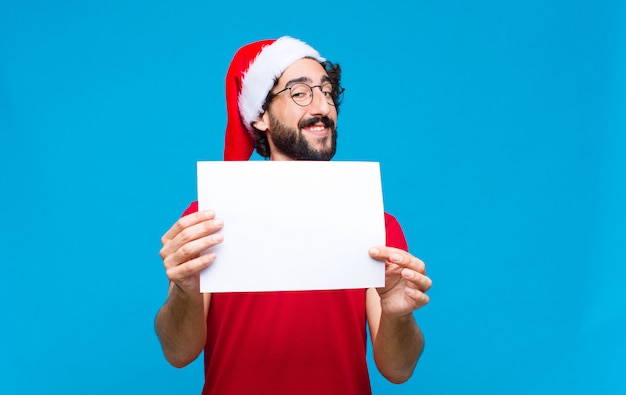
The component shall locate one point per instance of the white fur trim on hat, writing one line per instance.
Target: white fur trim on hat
(263, 72)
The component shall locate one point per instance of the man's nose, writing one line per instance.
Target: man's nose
(319, 104)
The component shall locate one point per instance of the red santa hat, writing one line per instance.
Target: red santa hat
(251, 75)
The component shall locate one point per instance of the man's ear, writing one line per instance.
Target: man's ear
(262, 123)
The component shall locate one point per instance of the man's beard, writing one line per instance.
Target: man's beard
(294, 145)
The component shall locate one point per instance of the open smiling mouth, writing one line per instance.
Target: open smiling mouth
(319, 126)
(318, 130)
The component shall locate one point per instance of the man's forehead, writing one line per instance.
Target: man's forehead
(304, 70)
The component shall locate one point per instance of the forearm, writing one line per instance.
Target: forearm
(397, 347)
(181, 327)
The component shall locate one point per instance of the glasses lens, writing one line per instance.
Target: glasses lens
(327, 91)
(339, 97)
(327, 88)
(301, 94)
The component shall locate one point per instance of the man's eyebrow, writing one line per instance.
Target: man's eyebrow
(325, 78)
(298, 80)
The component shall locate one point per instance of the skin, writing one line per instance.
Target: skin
(181, 322)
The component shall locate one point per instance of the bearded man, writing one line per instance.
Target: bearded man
(282, 100)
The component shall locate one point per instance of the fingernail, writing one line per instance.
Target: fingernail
(218, 222)
(395, 258)
(218, 238)
(373, 251)
(210, 213)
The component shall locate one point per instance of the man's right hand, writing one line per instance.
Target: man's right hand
(182, 245)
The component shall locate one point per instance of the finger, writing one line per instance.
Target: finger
(196, 231)
(417, 280)
(380, 253)
(420, 298)
(185, 222)
(192, 249)
(179, 273)
(398, 256)
(407, 260)
(191, 233)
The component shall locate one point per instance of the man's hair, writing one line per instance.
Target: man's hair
(334, 74)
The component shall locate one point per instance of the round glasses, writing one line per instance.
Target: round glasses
(302, 94)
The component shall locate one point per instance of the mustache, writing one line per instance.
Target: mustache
(329, 123)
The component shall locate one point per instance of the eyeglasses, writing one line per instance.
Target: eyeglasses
(302, 94)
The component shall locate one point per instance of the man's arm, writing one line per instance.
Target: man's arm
(181, 326)
(396, 338)
(181, 322)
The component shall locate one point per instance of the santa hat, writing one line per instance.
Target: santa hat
(251, 75)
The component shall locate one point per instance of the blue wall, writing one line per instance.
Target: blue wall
(501, 132)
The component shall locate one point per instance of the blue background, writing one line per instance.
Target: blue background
(500, 128)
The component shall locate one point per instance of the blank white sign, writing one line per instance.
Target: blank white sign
(293, 225)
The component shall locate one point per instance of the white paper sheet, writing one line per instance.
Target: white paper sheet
(293, 225)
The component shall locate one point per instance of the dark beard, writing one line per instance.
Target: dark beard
(292, 143)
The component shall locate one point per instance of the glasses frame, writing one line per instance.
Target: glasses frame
(329, 99)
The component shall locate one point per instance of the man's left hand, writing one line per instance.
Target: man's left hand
(406, 282)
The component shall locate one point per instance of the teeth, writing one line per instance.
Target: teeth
(317, 128)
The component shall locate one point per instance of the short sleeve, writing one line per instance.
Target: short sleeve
(193, 208)
(395, 235)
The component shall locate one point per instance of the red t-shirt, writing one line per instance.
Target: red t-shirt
(279, 343)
